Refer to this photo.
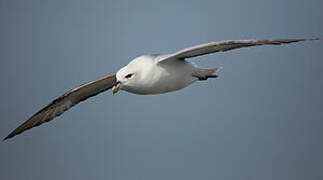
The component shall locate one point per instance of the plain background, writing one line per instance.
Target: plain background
(261, 119)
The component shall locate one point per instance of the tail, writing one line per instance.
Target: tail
(204, 74)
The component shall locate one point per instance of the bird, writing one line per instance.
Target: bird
(144, 75)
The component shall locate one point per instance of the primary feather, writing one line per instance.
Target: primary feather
(65, 102)
(150, 74)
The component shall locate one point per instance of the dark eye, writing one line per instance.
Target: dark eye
(128, 76)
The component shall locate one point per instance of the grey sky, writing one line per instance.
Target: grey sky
(261, 119)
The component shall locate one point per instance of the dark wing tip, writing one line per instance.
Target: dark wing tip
(308, 39)
(6, 138)
(313, 39)
(23, 127)
(34, 120)
(279, 41)
(15, 132)
(9, 136)
(12, 134)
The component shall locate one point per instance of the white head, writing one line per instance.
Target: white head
(129, 77)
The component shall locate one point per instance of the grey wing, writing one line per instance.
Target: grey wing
(220, 46)
(65, 102)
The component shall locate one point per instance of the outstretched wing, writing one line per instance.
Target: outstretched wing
(65, 102)
(221, 46)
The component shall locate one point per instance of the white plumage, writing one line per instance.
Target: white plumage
(148, 74)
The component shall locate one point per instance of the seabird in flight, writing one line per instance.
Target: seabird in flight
(148, 74)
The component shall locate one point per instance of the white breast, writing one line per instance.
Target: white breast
(157, 79)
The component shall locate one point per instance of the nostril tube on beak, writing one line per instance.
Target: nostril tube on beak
(116, 87)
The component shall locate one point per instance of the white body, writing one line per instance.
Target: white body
(153, 78)
(149, 74)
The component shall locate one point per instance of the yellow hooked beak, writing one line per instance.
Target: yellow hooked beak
(116, 87)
